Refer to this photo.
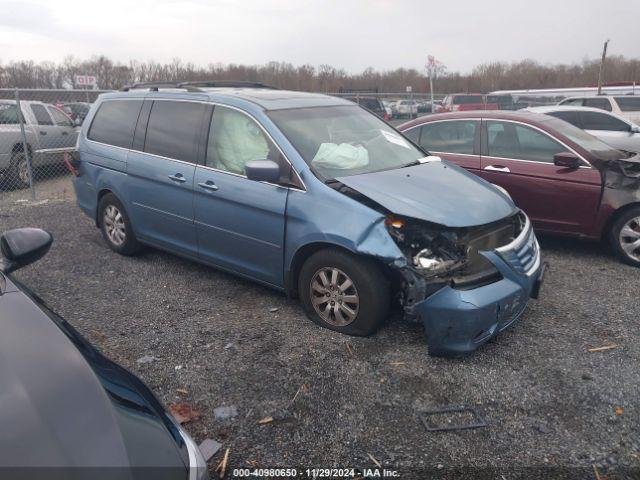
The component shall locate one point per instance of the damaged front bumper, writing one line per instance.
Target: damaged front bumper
(457, 321)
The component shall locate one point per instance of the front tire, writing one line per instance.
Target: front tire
(625, 236)
(116, 226)
(345, 293)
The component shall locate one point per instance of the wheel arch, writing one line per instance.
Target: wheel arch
(305, 251)
(606, 231)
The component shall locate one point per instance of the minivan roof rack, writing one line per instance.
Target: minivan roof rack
(228, 84)
(196, 86)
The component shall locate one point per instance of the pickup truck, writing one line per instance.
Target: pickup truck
(460, 102)
(49, 131)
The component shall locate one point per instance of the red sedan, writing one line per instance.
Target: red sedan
(566, 180)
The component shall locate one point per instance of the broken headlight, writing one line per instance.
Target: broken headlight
(439, 253)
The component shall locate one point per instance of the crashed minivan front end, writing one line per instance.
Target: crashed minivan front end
(470, 258)
(466, 285)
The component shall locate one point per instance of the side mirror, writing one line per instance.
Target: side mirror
(23, 246)
(635, 129)
(77, 122)
(262, 171)
(566, 160)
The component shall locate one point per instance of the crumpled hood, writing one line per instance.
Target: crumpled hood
(437, 192)
(62, 404)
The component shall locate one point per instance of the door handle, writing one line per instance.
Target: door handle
(42, 132)
(65, 133)
(497, 168)
(208, 185)
(178, 177)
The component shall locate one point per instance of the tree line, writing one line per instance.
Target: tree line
(324, 78)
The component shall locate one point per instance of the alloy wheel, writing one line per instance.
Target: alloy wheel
(629, 238)
(334, 296)
(114, 225)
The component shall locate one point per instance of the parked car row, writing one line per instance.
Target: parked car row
(568, 181)
(49, 132)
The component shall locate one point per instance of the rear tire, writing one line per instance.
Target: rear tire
(343, 292)
(17, 176)
(116, 227)
(625, 236)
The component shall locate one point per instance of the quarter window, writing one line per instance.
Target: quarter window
(235, 139)
(42, 117)
(602, 121)
(628, 104)
(174, 128)
(449, 137)
(510, 140)
(115, 122)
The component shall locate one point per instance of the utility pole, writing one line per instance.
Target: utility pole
(601, 74)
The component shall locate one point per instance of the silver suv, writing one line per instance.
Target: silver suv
(49, 132)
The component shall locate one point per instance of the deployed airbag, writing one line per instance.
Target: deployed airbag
(343, 156)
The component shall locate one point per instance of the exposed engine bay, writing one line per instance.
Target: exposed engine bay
(438, 256)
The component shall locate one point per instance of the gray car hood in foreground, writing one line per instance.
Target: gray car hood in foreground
(65, 407)
(437, 192)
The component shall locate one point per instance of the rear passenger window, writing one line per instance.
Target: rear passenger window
(449, 137)
(413, 134)
(601, 103)
(42, 116)
(567, 116)
(60, 118)
(174, 129)
(509, 140)
(115, 122)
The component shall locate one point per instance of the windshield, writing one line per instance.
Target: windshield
(344, 140)
(596, 147)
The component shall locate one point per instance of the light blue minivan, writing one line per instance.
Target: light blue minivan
(312, 195)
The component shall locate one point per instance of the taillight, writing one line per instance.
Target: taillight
(72, 162)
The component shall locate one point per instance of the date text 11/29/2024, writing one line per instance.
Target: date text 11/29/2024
(314, 473)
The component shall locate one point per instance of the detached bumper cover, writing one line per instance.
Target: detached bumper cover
(457, 322)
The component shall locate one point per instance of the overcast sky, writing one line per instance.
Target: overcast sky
(350, 34)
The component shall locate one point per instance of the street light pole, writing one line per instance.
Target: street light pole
(601, 73)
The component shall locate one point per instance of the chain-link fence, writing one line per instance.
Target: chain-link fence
(38, 132)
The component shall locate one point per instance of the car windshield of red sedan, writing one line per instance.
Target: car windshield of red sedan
(596, 147)
(344, 140)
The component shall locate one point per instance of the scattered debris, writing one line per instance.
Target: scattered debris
(602, 349)
(476, 420)
(222, 466)
(183, 412)
(619, 411)
(303, 388)
(397, 363)
(222, 413)
(146, 359)
(596, 473)
(586, 376)
(178, 367)
(182, 391)
(228, 346)
(350, 349)
(265, 420)
(209, 448)
(274, 309)
(373, 459)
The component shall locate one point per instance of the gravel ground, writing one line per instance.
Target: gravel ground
(337, 401)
